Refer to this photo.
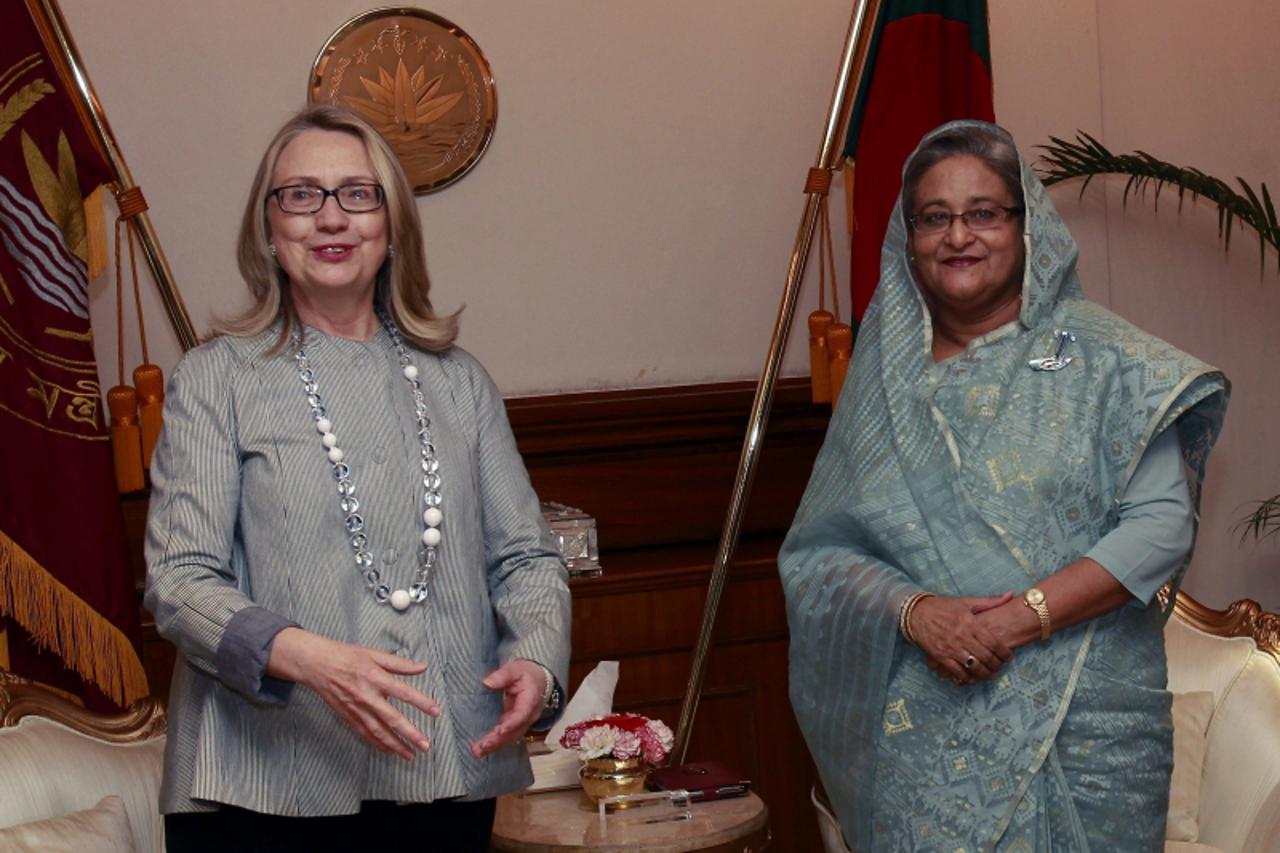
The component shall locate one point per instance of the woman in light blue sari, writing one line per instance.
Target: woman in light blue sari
(972, 579)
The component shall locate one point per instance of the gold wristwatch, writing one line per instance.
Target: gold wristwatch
(1034, 599)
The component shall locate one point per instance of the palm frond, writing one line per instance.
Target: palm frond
(1087, 158)
(1262, 522)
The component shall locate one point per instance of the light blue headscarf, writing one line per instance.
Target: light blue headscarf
(976, 477)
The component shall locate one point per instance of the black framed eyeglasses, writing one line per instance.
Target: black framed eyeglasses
(306, 198)
(978, 219)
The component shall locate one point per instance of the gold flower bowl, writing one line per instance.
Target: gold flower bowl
(612, 777)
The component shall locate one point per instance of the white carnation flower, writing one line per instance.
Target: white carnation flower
(598, 742)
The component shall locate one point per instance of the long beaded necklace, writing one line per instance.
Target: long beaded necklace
(432, 516)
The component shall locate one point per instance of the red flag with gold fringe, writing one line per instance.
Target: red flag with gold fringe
(67, 601)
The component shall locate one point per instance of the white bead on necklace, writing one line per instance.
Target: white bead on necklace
(432, 516)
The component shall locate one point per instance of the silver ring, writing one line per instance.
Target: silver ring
(969, 662)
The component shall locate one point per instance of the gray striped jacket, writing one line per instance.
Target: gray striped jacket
(244, 513)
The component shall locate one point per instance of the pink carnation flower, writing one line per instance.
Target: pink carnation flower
(665, 737)
(626, 745)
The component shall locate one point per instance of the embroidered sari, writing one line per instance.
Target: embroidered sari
(979, 476)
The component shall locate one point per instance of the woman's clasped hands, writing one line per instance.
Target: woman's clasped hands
(958, 645)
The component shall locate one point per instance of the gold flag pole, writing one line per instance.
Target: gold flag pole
(48, 18)
(852, 67)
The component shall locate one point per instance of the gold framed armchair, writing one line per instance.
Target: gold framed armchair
(1234, 656)
(68, 774)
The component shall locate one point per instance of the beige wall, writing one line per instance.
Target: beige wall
(1185, 84)
(631, 223)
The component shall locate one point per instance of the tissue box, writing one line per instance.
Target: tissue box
(553, 766)
(553, 771)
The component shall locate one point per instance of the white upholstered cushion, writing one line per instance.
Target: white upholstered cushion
(1240, 788)
(1191, 715)
(101, 829)
(1200, 661)
(1242, 764)
(48, 770)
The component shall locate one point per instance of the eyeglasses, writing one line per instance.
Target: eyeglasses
(978, 219)
(304, 198)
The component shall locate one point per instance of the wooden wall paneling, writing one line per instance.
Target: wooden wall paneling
(656, 467)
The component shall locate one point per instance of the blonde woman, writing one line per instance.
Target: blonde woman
(343, 541)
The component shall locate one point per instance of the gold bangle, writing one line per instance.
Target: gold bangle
(902, 614)
(907, 618)
(907, 611)
(911, 637)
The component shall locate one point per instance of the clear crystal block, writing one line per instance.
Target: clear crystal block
(575, 533)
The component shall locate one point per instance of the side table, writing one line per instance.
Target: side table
(562, 822)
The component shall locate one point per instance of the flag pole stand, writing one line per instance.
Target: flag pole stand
(853, 62)
(53, 29)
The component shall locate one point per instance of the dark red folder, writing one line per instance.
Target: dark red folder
(704, 780)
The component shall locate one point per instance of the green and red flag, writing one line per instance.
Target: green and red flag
(929, 62)
(68, 607)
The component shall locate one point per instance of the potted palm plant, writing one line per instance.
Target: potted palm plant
(1087, 158)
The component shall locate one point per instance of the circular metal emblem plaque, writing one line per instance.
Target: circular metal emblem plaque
(421, 81)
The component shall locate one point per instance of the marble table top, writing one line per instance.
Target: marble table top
(566, 822)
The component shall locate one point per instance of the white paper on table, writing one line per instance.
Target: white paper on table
(558, 768)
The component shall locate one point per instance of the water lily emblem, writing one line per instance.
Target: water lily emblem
(1055, 361)
(404, 100)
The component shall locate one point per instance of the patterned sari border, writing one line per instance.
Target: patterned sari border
(1043, 752)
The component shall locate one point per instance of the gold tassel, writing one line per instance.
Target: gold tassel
(839, 344)
(840, 335)
(819, 368)
(135, 414)
(822, 321)
(126, 439)
(840, 338)
(63, 623)
(122, 400)
(149, 380)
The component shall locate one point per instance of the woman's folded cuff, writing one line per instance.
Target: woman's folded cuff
(242, 655)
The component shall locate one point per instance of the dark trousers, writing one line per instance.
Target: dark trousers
(450, 826)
